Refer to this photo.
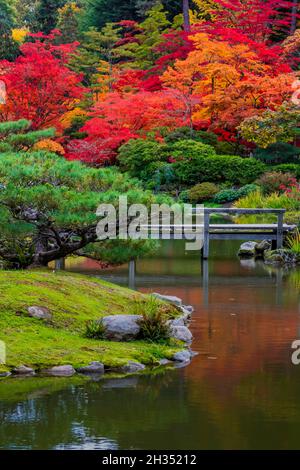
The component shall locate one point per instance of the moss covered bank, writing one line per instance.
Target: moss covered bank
(72, 300)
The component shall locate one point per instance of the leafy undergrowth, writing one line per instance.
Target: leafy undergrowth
(73, 300)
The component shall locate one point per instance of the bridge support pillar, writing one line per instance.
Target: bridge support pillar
(279, 241)
(60, 264)
(131, 274)
(205, 251)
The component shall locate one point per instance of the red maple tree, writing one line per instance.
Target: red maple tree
(40, 87)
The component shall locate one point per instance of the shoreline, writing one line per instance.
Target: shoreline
(49, 340)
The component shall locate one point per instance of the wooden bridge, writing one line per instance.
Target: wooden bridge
(227, 231)
(273, 232)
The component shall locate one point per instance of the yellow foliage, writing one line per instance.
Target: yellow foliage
(49, 146)
(67, 7)
(19, 35)
(67, 119)
(204, 9)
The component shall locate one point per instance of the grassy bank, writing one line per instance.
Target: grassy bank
(72, 300)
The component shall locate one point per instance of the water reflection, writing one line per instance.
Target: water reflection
(241, 391)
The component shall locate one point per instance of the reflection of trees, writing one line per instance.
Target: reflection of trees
(95, 412)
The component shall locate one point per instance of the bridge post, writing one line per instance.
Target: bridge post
(205, 250)
(60, 264)
(131, 274)
(279, 240)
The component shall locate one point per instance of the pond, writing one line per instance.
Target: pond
(240, 392)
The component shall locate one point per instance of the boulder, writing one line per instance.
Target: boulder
(23, 370)
(60, 371)
(180, 321)
(42, 313)
(169, 298)
(188, 309)
(247, 249)
(5, 374)
(182, 356)
(181, 333)
(131, 367)
(93, 368)
(263, 246)
(121, 327)
(281, 257)
(164, 362)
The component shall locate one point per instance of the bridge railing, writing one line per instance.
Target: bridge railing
(240, 211)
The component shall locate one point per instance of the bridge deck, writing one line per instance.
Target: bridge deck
(207, 231)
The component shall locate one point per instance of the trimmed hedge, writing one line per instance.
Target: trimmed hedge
(217, 169)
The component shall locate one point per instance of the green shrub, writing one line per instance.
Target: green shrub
(247, 189)
(208, 138)
(136, 156)
(189, 149)
(94, 329)
(230, 195)
(270, 182)
(184, 196)
(159, 176)
(280, 152)
(182, 133)
(202, 192)
(153, 324)
(217, 169)
(293, 168)
(226, 195)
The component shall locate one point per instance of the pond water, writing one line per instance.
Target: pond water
(240, 392)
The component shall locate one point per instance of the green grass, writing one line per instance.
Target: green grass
(293, 242)
(272, 201)
(73, 300)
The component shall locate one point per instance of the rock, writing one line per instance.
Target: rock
(281, 257)
(188, 309)
(132, 367)
(181, 333)
(41, 313)
(164, 362)
(121, 327)
(248, 249)
(182, 356)
(93, 368)
(193, 353)
(176, 322)
(5, 374)
(168, 298)
(60, 371)
(23, 370)
(262, 247)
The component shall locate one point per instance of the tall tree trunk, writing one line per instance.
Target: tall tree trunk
(186, 15)
(294, 17)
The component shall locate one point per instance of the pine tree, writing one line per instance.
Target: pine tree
(8, 47)
(47, 14)
(96, 57)
(99, 12)
(17, 136)
(68, 22)
(26, 14)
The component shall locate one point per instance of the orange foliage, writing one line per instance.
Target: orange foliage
(228, 82)
(49, 145)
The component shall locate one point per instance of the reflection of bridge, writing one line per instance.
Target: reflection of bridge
(134, 279)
